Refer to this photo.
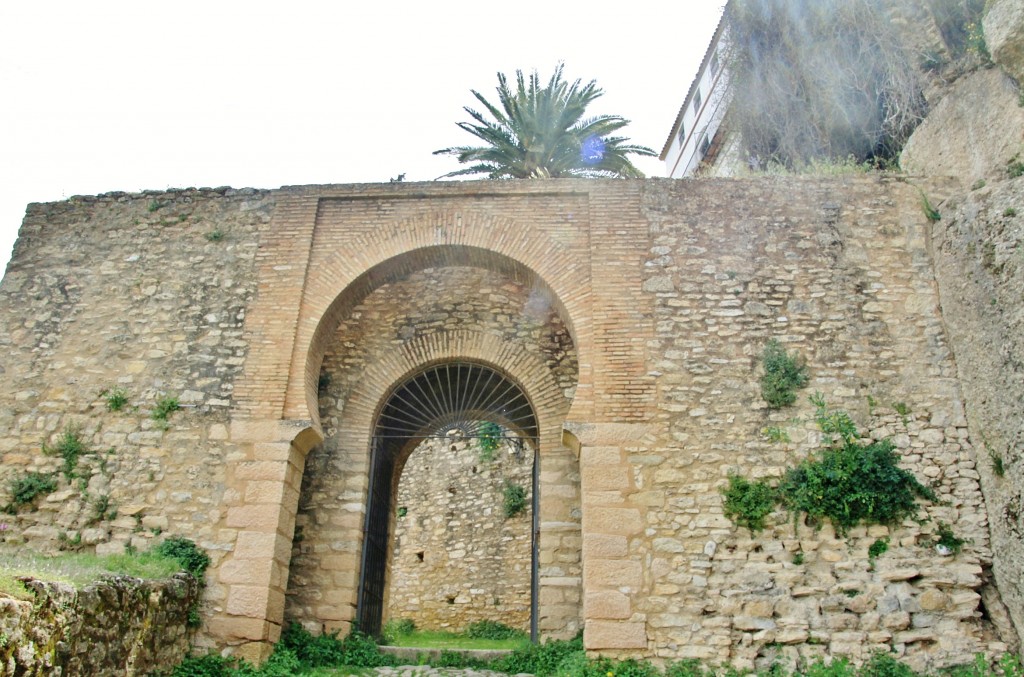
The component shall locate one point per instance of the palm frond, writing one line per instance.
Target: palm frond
(539, 131)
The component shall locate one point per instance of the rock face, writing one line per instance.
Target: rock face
(114, 627)
(1004, 35)
(971, 133)
(979, 251)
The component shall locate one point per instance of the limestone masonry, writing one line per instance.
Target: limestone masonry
(632, 316)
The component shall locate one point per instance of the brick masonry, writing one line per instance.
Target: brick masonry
(651, 301)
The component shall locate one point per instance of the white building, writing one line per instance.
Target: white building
(698, 141)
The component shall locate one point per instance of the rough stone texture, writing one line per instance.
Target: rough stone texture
(457, 559)
(632, 313)
(972, 132)
(1004, 35)
(117, 626)
(979, 256)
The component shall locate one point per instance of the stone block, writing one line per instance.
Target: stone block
(246, 571)
(264, 491)
(275, 471)
(599, 635)
(250, 601)
(625, 521)
(228, 628)
(605, 478)
(264, 517)
(609, 573)
(606, 604)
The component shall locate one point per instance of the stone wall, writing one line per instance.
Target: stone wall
(632, 314)
(843, 278)
(117, 626)
(457, 558)
(144, 292)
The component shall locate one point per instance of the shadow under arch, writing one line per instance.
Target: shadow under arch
(429, 402)
(543, 297)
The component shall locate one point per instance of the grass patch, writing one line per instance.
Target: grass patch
(426, 639)
(77, 569)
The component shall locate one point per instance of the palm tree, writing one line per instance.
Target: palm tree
(540, 132)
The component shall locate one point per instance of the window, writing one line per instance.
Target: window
(705, 145)
(714, 64)
(696, 103)
(682, 134)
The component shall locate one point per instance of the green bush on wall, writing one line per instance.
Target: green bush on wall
(784, 374)
(847, 482)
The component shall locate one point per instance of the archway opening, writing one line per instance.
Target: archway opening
(451, 410)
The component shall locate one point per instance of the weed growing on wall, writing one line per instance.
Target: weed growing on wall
(27, 487)
(853, 484)
(847, 482)
(947, 539)
(784, 374)
(165, 406)
(514, 499)
(488, 439)
(748, 503)
(69, 447)
(116, 398)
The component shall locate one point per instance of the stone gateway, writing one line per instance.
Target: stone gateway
(625, 320)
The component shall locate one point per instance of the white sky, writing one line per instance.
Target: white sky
(107, 95)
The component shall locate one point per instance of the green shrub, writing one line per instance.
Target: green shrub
(189, 555)
(69, 447)
(748, 503)
(212, 665)
(313, 650)
(192, 559)
(514, 499)
(542, 660)
(488, 439)
(282, 663)
(784, 374)
(397, 627)
(878, 548)
(487, 629)
(853, 484)
(457, 660)
(26, 488)
(325, 650)
(690, 667)
(883, 664)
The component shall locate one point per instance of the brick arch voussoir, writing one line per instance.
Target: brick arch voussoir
(342, 281)
(527, 371)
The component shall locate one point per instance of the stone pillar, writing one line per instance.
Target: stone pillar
(611, 577)
(262, 495)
